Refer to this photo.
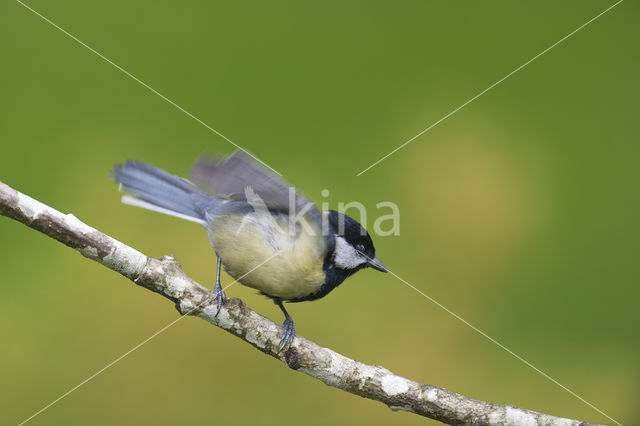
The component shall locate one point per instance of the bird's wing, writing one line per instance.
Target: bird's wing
(231, 176)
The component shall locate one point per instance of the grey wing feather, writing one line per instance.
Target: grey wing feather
(230, 176)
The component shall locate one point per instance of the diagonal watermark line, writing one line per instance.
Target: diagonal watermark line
(496, 342)
(145, 85)
(100, 371)
(506, 349)
(491, 87)
(115, 361)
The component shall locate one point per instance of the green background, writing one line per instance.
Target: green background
(519, 213)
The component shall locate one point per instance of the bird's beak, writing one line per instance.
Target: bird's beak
(377, 265)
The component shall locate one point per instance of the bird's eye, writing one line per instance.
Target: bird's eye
(360, 247)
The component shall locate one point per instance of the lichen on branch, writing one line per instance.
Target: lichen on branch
(165, 277)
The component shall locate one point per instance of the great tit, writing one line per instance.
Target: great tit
(266, 235)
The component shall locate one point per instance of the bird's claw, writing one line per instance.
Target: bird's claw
(288, 333)
(219, 297)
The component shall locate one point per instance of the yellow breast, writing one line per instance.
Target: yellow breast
(260, 252)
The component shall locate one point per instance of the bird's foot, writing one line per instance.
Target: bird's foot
(218, 296)
(288, 333)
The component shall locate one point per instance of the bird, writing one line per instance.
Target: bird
(266, 234)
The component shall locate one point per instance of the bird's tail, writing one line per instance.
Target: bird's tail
(154, 189)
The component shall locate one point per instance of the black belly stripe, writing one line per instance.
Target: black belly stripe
(333, 278)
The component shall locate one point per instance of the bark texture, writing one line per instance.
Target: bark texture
(165, 277)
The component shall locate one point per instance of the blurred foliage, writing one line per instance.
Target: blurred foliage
(519, 212)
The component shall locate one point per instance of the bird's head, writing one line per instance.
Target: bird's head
(354, 248)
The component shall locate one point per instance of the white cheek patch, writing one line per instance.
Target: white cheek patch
(345, 256)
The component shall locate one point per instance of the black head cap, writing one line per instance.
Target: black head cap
(358, 237)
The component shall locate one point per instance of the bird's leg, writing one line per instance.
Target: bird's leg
(288, 332)
(218, 294)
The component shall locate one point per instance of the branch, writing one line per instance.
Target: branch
(165, 277)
